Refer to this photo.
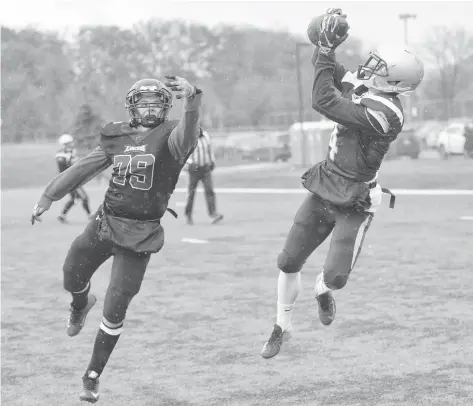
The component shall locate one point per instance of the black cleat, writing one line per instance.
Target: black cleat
(273, 346)
(90, 383)
(327, 308)
(77, 317)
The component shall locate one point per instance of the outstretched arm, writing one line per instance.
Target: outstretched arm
(72, 178)
(184, 136)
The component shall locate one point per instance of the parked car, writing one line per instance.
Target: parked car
(428, 132)
(451, 140)
(432, 136)
(406, 144)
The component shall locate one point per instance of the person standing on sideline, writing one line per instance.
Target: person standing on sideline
(200, 166)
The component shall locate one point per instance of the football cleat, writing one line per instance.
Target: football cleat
(217, 218)
(90, 383)
(273, 346)
(327, 308)
(77, 317)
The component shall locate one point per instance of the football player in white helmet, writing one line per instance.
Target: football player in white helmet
(65, 158)
(343, 189)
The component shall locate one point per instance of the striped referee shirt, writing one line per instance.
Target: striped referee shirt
(203, 154)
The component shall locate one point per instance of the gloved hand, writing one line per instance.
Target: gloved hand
(39, 208)
(328, 30)
(181, 85)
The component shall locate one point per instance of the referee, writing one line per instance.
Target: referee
(200, 166)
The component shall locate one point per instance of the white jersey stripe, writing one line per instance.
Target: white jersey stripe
(381, 118)
(389, 104)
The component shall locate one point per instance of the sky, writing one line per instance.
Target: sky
(373, 21)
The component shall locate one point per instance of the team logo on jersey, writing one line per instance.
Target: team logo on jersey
(131, 148)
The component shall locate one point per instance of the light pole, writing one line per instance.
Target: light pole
(299, 45)
(405, 19)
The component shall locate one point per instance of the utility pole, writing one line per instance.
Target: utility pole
(299, 45)
(405, 18)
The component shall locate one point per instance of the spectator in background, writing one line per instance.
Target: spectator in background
(200, 166)
(469, 140)
(65, 158)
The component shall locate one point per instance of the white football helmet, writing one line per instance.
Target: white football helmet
(392, 68)
(66, 141)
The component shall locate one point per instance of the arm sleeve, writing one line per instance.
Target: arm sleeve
(381, 116)
(183, 138)
(339, 71)
(77, 175)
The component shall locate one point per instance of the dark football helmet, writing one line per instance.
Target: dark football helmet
(158, 96)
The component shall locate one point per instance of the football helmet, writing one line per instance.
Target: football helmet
(157, 96)
(392, 68)
(66, 141)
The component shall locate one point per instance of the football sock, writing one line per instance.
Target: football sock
(320, 286)
(107, 337)
(289, 287)
(284, 316)
(79, 299)
(67, 207)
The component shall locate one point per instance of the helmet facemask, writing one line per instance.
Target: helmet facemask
(150, 98)
(398, 72)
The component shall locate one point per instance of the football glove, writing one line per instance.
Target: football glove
(39, 208)
(181, 85)
(329, 30)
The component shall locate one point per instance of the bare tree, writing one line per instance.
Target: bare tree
(450, 51)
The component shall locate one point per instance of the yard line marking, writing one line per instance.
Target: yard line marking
(466, 218)
(194, 241)
(400, 192)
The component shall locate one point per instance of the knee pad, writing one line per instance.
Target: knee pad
(288, 264)
(334, 279)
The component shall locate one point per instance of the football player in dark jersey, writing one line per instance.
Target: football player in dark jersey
(65, 158)
(147, 154)
(343, 189)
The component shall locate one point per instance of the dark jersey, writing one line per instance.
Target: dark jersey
(146, 165)
(366, 122)
(365, 125)
(145, 172)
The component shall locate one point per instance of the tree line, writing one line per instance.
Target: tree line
(51, 85)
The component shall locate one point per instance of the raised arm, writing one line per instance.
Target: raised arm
(372, 113)
(72, 178)
(339, 71)
(184, 136)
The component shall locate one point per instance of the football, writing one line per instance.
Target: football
(313, 29)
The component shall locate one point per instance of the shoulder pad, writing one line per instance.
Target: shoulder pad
(116, 129)
(386, 110)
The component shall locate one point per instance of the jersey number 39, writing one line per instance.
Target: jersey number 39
(138, 170)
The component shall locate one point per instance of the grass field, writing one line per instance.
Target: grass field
(194, 333)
